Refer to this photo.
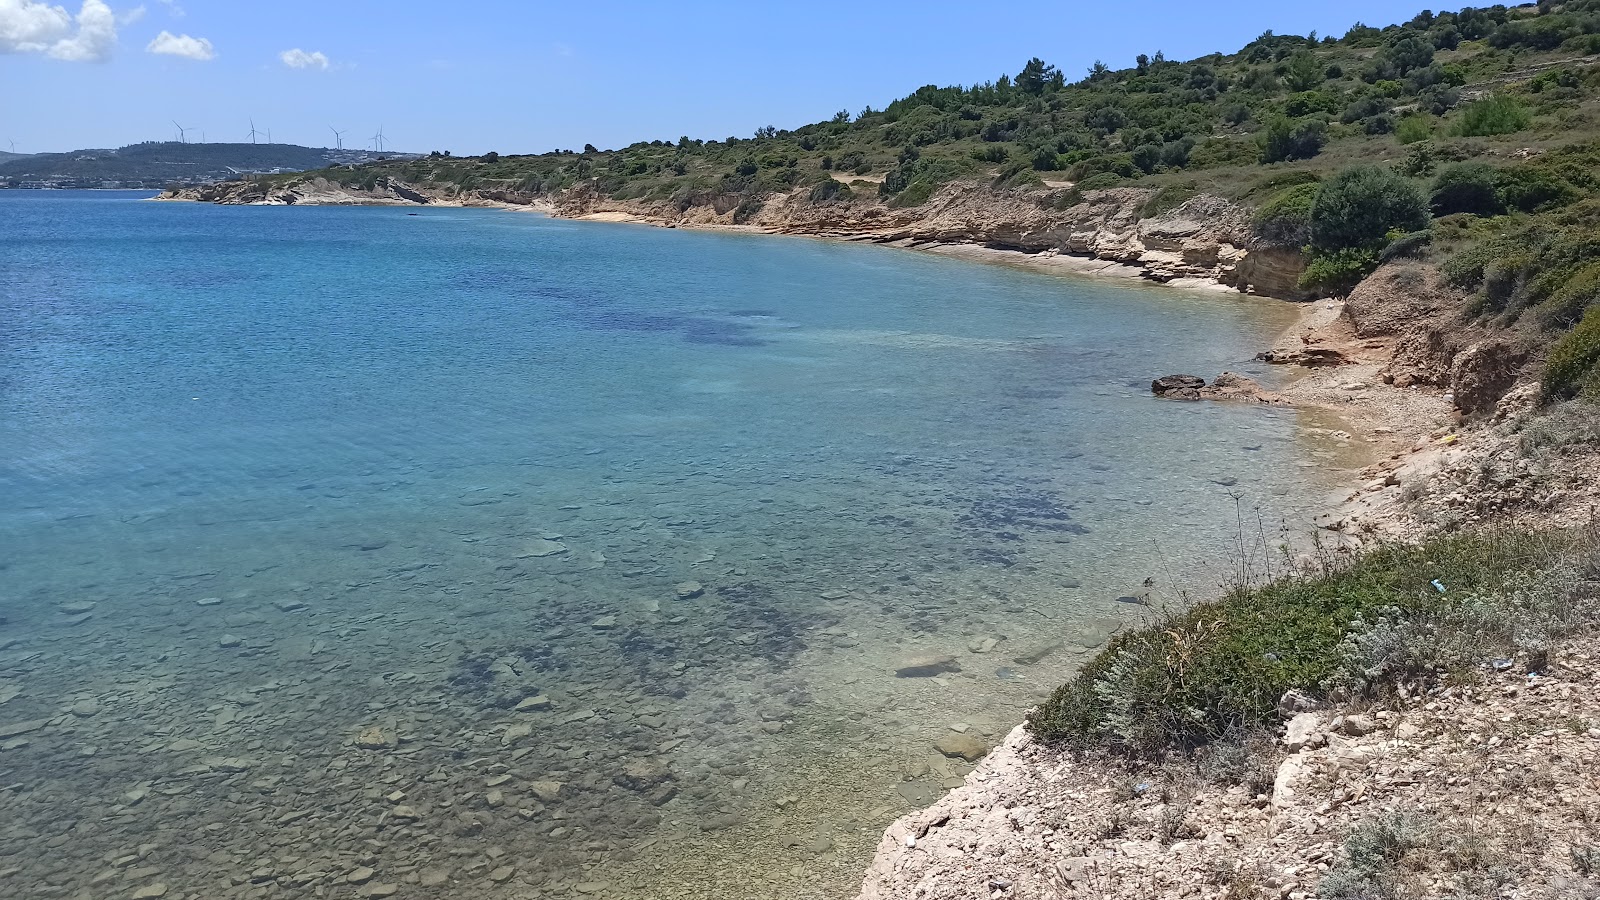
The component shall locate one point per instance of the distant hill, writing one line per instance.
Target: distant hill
(157, 164)
(7, 157)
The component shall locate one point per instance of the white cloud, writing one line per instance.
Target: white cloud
(131, 16)
(169, 44)
(300, 59)
(30, 26)
(173, 9)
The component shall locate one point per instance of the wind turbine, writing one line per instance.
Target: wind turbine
(253, 131)
(13, 144)
(338, 137)
(377, 139)
(183, 133)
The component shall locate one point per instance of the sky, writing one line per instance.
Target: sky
(532, 76)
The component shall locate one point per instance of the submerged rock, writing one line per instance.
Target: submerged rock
(1039, 651)
(927, 666)
(542, 548)
(961, 745)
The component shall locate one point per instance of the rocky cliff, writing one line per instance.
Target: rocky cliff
(1206, 238)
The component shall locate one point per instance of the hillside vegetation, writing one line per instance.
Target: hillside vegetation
(1471, 138)
(160, 162)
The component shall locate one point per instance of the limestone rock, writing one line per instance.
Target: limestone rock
(1178, 387)
(961, 745)
(1037, 652)
(21, 728)
(642, 774)
(689, 590)
(546, 791)
(1304, 730)
(1290, 771)
(375, 738)
(927, 666)
(540, 548)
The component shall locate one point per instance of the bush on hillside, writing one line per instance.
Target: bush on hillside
(1220, 666)
(1466, 188)
(1285, 219)
(1286, 139)
(830, 191)
(1499, 114)
(1529, 189)
(1406, 245)
(1337, 273)
(1573, 367)
(1576, 294)
(1360, 206)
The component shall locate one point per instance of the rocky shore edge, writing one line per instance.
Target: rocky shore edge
(1450, 770)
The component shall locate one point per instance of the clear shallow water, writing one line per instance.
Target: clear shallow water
(421, 468)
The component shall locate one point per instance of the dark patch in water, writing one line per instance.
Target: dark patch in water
(992, 557)
(693, 330)
(1005, 517)
(729, 334)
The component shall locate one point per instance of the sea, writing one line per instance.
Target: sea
(468, 553)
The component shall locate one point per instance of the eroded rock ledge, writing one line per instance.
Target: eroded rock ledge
(1035, 821)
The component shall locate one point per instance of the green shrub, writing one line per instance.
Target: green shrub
(914, 179)
(1285, 219)
(915, 194)
(1101, 181)
(1360, 206)
(1168, 198)
(1382, 842)
(1577, 292)
(1572, 369)
(1221, 151)
(1406, 245)
(1337, 273)
(1373, 850)
(1529, 189)
(1286, 139)
(1194, 676)
(1308, 103)
(747, 209)
(1466, 188)
(830, 190)
(1498, 114)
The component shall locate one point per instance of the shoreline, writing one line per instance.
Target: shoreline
(1377, 421)
(1203, 243)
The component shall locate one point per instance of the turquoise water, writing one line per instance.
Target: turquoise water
(301, 504)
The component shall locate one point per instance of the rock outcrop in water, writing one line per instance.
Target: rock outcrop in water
(1206, 239)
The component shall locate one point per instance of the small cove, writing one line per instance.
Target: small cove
(304, 503)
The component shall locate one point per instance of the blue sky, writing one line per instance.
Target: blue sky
(533, 76)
